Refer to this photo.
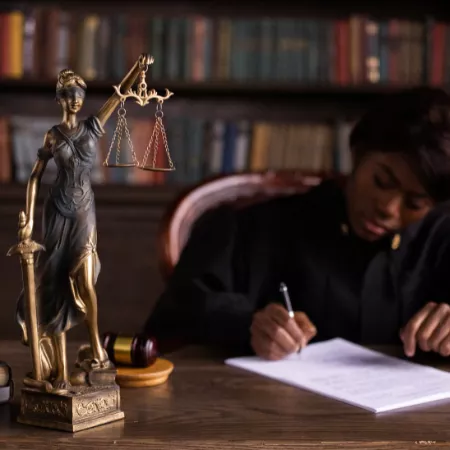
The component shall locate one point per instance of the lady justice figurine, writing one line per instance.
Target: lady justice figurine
(59, 293)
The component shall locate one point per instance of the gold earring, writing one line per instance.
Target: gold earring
(395, 244)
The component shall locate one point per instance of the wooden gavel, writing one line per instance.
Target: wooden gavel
(139, 350)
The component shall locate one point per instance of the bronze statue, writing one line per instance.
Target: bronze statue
(63, 294)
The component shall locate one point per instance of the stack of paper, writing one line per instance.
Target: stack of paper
(353, 374)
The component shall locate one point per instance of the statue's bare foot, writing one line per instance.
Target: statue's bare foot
(61, 384)
(89, 365)
(95, 364)
(101, 362)
(87, 361)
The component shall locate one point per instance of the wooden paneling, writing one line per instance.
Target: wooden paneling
(129, 282)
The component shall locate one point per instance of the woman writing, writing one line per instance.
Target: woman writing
(68, 269)
(366, 260)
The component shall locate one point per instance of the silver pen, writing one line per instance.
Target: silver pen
(287, 300)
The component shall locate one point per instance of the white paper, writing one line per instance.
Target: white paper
(353, 374)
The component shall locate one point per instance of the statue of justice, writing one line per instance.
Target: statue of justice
(59, 287)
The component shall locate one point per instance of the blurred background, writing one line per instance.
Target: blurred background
(257, 86)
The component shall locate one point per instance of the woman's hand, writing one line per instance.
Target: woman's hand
(25, 227)
(429, 329)
(275, 335)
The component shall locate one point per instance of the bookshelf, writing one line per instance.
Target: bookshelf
(243, 75)
(244, 98)
(191, 90)
(256, 100)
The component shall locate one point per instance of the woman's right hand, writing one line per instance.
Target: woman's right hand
(25, 227)
(275, 335)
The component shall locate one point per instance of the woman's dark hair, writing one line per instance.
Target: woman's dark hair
(415, 123)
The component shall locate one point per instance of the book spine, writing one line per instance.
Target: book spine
(5, 374)
(7, 393)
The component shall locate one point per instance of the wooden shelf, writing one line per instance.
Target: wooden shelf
(280, 8)
(256, 89)
(105, 194)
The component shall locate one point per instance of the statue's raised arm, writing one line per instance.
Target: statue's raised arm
(140, 66)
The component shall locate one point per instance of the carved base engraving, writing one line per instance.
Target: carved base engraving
(78, 409)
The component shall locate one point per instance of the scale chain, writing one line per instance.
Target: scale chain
(119, 131)
(148, 149)
(130, 142)
(121, 124)
(156, 146)
(154, 141)
(142, 96)
(166, 145)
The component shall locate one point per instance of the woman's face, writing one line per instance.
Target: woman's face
(384, 196)
(72, 99)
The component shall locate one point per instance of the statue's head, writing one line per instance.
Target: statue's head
(70, 91)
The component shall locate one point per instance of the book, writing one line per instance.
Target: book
(6, 393)
(350, 373)
(5, 374)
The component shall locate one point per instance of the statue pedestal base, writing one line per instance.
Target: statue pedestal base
(75, 409)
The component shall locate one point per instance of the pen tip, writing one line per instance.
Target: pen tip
(282, 287)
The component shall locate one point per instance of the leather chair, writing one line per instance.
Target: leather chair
(240, 189)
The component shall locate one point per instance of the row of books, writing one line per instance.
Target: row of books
(40, 41)
(198, 148)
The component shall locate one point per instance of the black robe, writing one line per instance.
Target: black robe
(364, 292)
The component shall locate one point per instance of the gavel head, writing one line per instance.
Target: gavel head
(139, 350)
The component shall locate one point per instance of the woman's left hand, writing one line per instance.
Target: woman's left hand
(429, 329)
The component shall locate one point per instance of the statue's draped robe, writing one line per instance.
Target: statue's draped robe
(69, 229)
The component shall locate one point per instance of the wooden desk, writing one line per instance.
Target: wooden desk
(207, 405)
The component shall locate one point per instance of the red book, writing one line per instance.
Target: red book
(4, 44)
(342, 30)
(438, 54)
(393, 51)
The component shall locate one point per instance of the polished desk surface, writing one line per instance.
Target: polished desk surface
(207, 405)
